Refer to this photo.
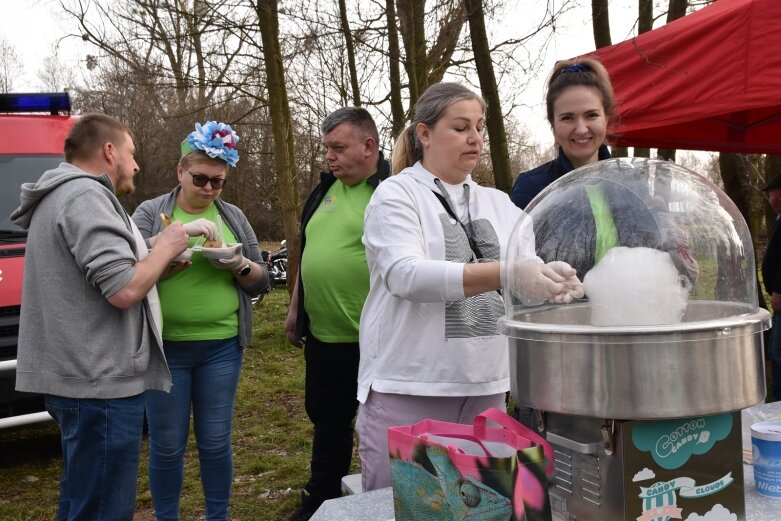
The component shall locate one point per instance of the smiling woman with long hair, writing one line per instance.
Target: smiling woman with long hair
(580, 109)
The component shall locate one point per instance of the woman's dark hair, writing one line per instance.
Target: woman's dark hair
(586, 72)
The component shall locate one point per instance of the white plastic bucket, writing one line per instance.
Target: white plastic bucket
(766, 448)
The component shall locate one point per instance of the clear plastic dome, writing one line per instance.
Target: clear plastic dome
(649, 238)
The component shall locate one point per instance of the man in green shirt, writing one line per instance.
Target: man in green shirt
(330, 290)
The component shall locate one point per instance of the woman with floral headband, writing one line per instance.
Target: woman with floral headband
(207, 319)
(580, 108)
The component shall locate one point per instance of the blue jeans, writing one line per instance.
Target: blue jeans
(101, 445)
(205, 376)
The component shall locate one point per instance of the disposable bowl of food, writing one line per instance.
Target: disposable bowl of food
(219, 253)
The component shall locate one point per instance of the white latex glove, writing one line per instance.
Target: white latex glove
(533, 282)
(573, 286)
(201, 227)
(233, 263)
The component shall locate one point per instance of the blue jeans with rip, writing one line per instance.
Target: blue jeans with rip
(205, 376)
(101, 445)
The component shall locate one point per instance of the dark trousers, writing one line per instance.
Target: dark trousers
(774, 352)
(331, 389)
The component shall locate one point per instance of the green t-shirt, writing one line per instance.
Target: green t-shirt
(200, 302)
(607, 235)
(333, 267)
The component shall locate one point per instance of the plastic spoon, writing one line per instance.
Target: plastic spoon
(198, 245)
(220, 230)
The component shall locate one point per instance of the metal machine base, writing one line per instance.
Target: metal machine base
(645, 470)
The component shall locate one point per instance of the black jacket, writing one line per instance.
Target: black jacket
(528, 184)
(326, 180)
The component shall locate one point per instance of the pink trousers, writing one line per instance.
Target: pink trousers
(383, 410)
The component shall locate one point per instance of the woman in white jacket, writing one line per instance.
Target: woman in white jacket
(434, 239)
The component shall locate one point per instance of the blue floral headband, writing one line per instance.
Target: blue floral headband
(216, 140)
(576, 67)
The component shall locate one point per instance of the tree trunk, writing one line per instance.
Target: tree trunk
(348, 42)
(394, 59)
(645, 16)
(500, 156)
(771, 169)
(413, 33)
(601, 22)
(676, 9)
(730, 166)
(282, 129)
(426, 68)
(645, 21)
(441, 52)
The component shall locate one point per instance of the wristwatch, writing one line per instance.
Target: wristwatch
(244, 270)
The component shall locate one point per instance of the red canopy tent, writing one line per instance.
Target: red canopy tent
(708, 81)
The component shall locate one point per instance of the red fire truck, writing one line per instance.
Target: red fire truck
(33, 128)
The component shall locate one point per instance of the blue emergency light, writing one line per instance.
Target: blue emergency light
(51, 102)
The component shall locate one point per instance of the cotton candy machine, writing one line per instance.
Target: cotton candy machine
(639, 385)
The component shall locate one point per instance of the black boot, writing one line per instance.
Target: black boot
(309, 505)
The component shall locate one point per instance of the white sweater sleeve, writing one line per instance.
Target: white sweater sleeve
(396, 249)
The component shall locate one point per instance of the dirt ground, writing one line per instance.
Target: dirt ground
(144, 515)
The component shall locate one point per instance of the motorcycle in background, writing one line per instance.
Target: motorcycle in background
(276, 264)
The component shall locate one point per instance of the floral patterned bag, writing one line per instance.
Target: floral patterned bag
(445, 471)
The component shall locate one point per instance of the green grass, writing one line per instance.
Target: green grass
(271, 441)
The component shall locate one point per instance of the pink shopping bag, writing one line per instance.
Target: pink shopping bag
(444, 471)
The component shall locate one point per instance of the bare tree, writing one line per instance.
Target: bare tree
(500, 156)
(675, 9)
(282, 126)
(645, 16)
(163, 64)
(348, 43)
(394, 60)
(426, 66)
(176, 44)
(600, 16)
(771, 168)
(601, 23)
(11, 66)
(54, 76)
(645, 22)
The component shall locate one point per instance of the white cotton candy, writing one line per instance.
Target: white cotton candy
(635, 287)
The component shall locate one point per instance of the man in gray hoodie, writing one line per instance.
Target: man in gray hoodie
(89, 331)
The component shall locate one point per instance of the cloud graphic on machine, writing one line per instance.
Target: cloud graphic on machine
(643, 475)
(717, 513)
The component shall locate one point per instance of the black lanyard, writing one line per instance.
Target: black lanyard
(472, 243)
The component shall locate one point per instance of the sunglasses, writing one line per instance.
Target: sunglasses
(200, 180)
